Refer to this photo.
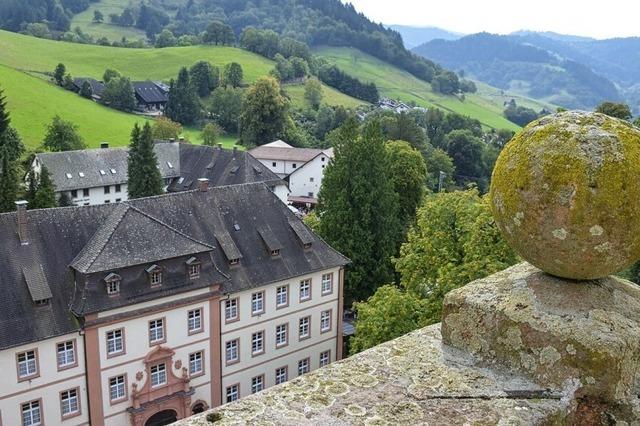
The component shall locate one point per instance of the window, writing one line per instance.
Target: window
(113, 286)
(327, 284)
(282, 337)
(74, 193)
(196, 364)
(232, 353)
(311, 179)
(118, 200)
(194, 320)
(325, 321)
(303, 366)
(117, 388)
(115, 342)
(282, 296)
(69, 176)
(107, 201)
(233, 262)
(294, 165)
(113, 171)
(275, 252)
(322, 159)
(85, 192)
(257, 384)
(69, 402)
(325, 358)
(66, 354)
(194, 271)
(310, 194)
(156, 277)
(27, 364)
(31, 415)
(257, 343)
(81, 174)
(231, 310)
(257, 303)
(274, 164)
(118, 188)
(156, 331)
(303, 330)
(233, 392)
(102, 173)
(158, 375)
(281, 375)
(305, 290)
(107, 189)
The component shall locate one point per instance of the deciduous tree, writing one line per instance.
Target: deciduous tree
(204, 77)
(614, 109)
(232, 75)
(59, 73)
(165, 129)
(211, 134)
(62, 135)
(264, 113)
(226, 107)
(313, 93)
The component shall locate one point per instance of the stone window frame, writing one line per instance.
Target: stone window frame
(330, 280)
(307, 360)
(308, 281)
(125, 387)
(237, 308)
(40, 411)
(328, 353)
(262, 301)
(121, 352)
(202, 364)
(286, 336)
(236, 360)
(160, 373)
(237, 392)
(36, 363)
(163, 321)
(283, 305)
(308, 335)
(262, 346)
(73, 414)
(326, 330)
(286, 374)
(262, 383)
(75, 355)
(200, 315)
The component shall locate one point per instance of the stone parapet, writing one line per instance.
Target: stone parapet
(559, 333)
(412, 380)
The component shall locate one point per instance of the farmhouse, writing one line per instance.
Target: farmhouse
(150, 96)
(154, 309)
(97, 87)
(100, 176)
(303, 168)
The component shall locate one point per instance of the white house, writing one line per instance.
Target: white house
(303, 168)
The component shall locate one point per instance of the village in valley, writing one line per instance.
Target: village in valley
(287, 213)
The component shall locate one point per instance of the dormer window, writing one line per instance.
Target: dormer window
(155, 275)
(113, 283)
(307, 246)
(234, 262)
(193, 267)
(275, 253)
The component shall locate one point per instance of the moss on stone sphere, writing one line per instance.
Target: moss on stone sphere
(565, 194)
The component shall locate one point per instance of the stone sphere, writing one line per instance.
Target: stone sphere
(565, 194)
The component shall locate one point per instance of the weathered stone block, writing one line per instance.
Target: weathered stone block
(559, 333)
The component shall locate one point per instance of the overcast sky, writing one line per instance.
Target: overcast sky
(599, 19)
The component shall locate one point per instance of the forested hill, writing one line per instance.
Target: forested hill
(510, 63)
(315, 22)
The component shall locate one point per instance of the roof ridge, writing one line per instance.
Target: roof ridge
(120, 212)
(177, 231)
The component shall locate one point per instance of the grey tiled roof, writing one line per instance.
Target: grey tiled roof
(221, 166)
(130, 237)
(102, 167)
(189, 220)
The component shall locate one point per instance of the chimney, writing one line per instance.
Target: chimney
(23, 226)
(219, 145)
(203, 184)
(172, 140)
(104, 145)
(181, 139)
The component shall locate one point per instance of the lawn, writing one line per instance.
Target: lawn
(395, 83)
(330, 96)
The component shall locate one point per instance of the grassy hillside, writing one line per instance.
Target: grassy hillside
(33, 102)
(84, 20)
(397, 84)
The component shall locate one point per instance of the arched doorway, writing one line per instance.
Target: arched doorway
(162, 418)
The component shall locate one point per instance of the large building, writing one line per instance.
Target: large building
(100, 176)
(302, 168)
(147, 311)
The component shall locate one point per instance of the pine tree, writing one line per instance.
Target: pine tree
(8, 185)
(359, 209)
(183, 105)
(45, 196)
(4, 114)
(65, 200)
(144, 177)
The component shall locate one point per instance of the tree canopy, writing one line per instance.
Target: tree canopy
(264, 113)
(359, 208)
(183, 105)
(614, 109)
(62, 135)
